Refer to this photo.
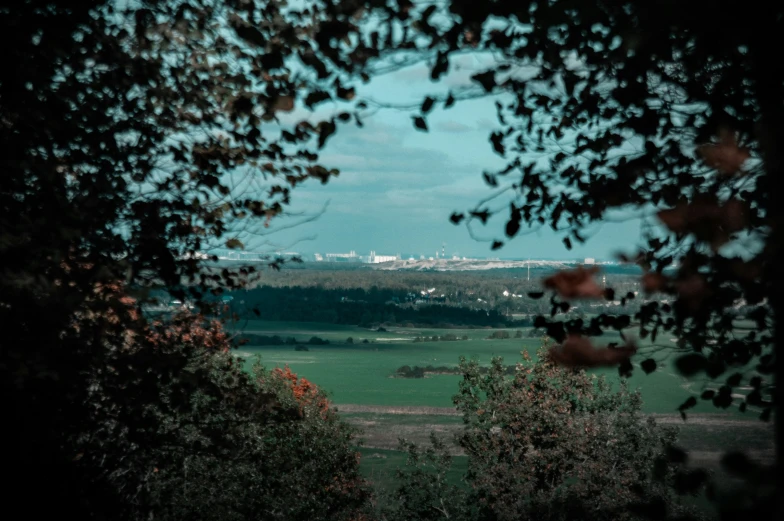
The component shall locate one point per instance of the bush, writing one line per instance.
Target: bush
(499, 335)
(350, 340)
(550, 444)
(518, 333)
(301, 347)
(218, 442)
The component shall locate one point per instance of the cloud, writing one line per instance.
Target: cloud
(453, 126)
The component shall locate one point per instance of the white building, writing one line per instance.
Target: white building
(589, 261)
(350, 256)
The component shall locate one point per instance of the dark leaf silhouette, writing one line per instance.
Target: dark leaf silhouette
(485, 79)
(691, 364)
(419, 123)
(648, 365)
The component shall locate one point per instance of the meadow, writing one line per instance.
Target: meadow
(362, 373)
(359, 379)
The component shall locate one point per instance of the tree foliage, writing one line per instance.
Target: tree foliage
(657, 111)
(617, 110)
(548, 443)
(138, 136)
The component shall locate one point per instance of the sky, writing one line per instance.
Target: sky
(398, 186)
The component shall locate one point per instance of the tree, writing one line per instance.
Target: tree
(173, 426)
(550, 443)
(617, 110)
(145, 136)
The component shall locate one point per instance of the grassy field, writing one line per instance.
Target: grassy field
(359, 379)
(362, 373)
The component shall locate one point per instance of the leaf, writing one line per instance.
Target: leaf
(648, 365)
(497, 140)
(316, 97)
(235, 244)
(346, 94)
(427, 105)
(536, 294)
(284, 104)
(450, 100)
(576, 283)
(691, 364)
(567, 243)
(440, 66)
(725, 156)
(456, 218)
(486, 79)
(690, 402)
(577, 351)
(625, 369)
(708, 394)
(734, 380)
(496, 245)
(512, 226)
(326, 129)
(419, 123)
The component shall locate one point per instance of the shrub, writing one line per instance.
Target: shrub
(549, 444)
(499, 335)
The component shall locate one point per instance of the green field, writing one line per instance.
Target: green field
(359, 379)
(362, 373)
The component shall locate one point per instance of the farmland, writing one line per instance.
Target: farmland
(360, 380)
(362, 373)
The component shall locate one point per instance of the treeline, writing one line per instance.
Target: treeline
(276, 340)
(359, 307)
(406, 371)
(475, 290)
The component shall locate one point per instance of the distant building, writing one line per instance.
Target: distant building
(589, 261)
(318, 257)
(375, 259)
(344, 257)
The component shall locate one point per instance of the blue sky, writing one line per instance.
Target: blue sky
(398, 185)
